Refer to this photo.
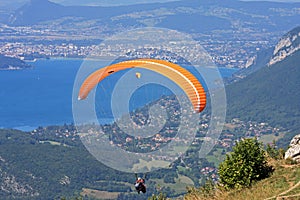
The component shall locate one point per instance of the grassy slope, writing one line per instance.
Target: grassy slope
(283, 184)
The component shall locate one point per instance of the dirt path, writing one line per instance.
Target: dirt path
(280, 196)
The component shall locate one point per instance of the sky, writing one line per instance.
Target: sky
(119, 2)
(18, 3)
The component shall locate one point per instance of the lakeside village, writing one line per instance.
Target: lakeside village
(31, 52)
(207, 167)
(55, 43)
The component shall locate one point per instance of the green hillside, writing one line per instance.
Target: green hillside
(33, 168)
(52, 163)
(283, 184)
(271, 94)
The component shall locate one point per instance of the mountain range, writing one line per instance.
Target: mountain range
(181, 15)
(271, 93)
(287, 45)
(45, 164)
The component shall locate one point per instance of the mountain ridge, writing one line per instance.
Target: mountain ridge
(270, 94)
(22, 15)
(236, 13)
(288, 44)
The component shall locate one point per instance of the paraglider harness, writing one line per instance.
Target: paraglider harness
(140, 184)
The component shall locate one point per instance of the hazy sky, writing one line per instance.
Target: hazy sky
(18, 3)
(106, 2)
(118, 2)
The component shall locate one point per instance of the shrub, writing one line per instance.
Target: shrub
(247, 163)
(273, 152)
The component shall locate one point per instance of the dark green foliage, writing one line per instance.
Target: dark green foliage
(274, 152)
(42, 168)
(269, 95)
(244, 165)
(57, 167)
(169, 177)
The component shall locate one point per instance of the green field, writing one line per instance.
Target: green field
(269, 138)
(216, 158)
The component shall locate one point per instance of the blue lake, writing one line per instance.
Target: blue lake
(43, 95)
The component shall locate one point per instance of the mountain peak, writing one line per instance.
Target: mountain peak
(288, 45)
(36, 3)
(35, 11)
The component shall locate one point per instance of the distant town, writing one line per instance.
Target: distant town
(30, 43)
(233, 131)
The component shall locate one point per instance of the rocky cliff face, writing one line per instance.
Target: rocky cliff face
(294, 150)
(288, 44)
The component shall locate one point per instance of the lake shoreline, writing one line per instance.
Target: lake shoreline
(42, 96)
(109, 59)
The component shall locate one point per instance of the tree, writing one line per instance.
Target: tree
(273, 152)
(246, 164)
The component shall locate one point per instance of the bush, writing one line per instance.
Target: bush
(273, 152)
(247, 163)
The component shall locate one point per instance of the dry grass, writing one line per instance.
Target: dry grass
(283, 184)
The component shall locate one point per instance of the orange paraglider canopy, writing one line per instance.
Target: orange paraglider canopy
(185, 79)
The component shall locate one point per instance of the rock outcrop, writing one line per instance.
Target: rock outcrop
(288, 44)
(294, 149)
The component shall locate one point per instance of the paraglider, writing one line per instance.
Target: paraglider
(140, 184)
(138, 75)
(185, 79)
